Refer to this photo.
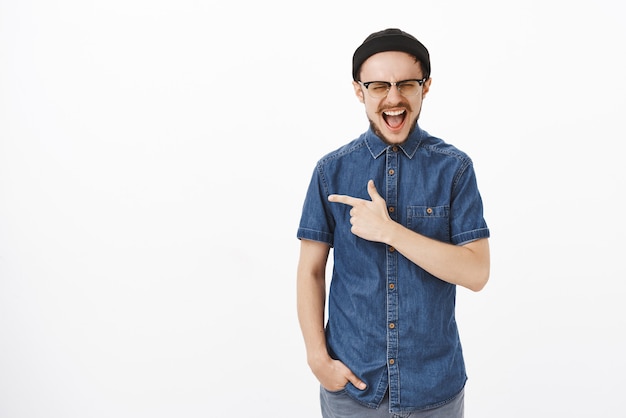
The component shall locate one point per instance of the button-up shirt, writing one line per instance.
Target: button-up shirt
(389, 321)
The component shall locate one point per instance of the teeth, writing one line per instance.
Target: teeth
(394, 113)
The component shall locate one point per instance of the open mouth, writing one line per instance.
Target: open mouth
(394, 118)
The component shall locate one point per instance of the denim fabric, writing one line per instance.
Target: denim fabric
(340, 405)
(392, 323)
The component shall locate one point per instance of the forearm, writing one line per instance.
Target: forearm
(311, 295)
(332, 374)
(466, 265)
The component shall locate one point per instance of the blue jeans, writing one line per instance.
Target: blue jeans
(340, 405)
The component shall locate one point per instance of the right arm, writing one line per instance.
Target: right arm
(311, 293)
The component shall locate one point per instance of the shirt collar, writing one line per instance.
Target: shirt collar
(377, 146)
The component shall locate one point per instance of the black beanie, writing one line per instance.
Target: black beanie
(390, 40)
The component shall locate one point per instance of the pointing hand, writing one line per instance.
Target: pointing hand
(369, 218)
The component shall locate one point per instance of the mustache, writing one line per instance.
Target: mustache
(388, 106)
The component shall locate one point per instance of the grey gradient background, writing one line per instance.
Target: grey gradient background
(153, 160)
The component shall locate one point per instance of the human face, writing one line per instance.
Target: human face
(394, 116)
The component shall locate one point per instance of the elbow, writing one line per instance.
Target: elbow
(480, 281)
(477, 270)
(477, 286)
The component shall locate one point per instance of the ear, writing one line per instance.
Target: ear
(426, 87)
(358, 90)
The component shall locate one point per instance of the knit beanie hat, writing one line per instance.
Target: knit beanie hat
(390, 40)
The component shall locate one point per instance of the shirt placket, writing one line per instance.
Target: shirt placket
(391, 197)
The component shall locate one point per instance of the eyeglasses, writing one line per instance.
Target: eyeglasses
(380, 89)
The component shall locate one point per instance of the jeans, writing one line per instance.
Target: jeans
(340, 405)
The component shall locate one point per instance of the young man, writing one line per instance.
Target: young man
(403, 214)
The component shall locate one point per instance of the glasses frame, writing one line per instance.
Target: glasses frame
(389, 84)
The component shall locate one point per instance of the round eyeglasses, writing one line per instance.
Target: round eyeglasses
(380, 89)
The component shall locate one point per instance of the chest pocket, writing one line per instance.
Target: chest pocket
(431, 221)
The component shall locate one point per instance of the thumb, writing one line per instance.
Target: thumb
(371, 190)
(356, 382)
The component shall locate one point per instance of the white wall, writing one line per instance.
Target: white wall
(153, 160)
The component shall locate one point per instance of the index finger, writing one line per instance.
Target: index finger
(342, 198)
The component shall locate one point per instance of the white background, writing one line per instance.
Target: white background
(153, 160)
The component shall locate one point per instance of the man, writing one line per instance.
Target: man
(403, 214)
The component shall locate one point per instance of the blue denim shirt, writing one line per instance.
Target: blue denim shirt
(392, 323)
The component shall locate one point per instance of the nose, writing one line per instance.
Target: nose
(394, 91)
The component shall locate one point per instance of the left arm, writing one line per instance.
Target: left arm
(465, 265)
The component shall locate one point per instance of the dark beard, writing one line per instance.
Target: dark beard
(385, 140)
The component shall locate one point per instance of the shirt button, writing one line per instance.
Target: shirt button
(392, 286)
(392, 325)
(391, 249)
(392, 209)
(429, 211)
(392, 362)
(391, 172)
(394, 148)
